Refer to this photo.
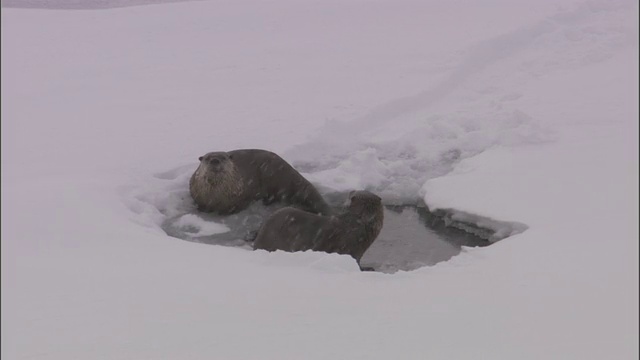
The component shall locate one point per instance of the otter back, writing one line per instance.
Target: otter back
(351, 233)
(227, 182)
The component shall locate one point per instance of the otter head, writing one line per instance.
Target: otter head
(214, 165)
(362, 202)
(367, 205)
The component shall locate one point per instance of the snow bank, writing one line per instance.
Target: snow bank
(394, 148)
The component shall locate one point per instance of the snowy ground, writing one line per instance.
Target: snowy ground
(81, 4)
(509, 110)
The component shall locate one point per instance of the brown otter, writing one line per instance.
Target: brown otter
(227, 182)
(351, 233)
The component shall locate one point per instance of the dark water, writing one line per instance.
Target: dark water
(411, 237)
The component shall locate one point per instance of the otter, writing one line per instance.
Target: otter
(227, 182)
(350, 233)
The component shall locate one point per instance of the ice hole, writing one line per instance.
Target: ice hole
(411, 237)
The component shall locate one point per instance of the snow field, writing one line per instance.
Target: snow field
(508, 110)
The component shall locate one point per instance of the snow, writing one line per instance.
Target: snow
(201, 226)
(81, 4)
(499, 111)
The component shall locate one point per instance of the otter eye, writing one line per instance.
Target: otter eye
(200, 158)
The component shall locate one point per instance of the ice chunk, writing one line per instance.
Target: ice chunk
(483, 227)
(200, 226)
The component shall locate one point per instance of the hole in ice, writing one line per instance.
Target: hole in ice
(411, 237)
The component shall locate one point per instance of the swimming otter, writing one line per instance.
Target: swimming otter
(351, 233)
(228, 182)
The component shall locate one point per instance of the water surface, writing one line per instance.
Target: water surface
(411, 237)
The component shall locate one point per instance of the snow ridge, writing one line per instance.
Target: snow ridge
(395, 148)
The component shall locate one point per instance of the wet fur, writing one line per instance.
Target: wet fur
(351, 233)
(244, 176)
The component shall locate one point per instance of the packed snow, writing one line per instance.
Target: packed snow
(198, 226)
(516, 116)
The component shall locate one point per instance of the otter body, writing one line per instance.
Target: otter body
(228, 182)
(351, 233)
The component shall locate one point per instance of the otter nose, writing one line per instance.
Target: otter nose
(214, 162)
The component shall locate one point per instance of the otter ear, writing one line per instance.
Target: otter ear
(200, 158)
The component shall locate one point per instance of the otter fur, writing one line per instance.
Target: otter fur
(350, 233)
(227, 182)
